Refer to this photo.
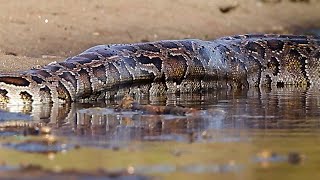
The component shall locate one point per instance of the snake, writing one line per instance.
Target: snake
(170, 66)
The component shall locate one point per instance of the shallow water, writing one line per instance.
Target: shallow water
(255, 134)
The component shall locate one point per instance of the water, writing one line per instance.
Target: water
(254, 134)
(290, 109)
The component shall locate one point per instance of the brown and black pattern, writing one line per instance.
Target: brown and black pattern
(174, 66)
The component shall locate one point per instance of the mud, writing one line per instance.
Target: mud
(35, 33)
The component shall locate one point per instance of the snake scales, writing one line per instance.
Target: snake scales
(170, 66)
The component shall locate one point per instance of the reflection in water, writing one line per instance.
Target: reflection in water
(284, 108)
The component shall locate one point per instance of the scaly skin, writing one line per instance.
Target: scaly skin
(170, 66)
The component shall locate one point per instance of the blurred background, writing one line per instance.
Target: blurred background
(61, 28)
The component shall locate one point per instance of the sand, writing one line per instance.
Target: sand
(34, 33)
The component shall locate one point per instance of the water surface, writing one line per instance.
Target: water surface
(254, 134)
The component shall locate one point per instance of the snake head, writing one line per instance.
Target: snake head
(17, 89)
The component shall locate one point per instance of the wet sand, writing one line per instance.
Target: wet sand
(38, 32)
(246, 144)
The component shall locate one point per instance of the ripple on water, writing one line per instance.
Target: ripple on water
(38, 147)
(6, 116)
(195, 168)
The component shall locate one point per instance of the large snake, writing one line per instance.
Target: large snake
(170, 66)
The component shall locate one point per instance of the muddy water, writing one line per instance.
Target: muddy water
(254, 134)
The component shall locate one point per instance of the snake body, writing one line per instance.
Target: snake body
(190, 65)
